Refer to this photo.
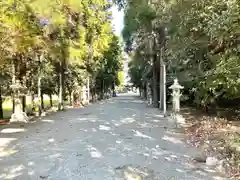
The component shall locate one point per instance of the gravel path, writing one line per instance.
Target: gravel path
(120, 138)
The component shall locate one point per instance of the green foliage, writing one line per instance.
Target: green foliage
(110, 65)
(137, 21)
(121, 78)
(73, 38)
(202, 47)
(139, 69)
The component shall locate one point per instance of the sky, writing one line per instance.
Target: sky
(118, 24)
(117, 21)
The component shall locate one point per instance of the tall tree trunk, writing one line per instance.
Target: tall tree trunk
(145, 90)
(13, 103)
(60, 94)
(24, 103)
(162, 83)
(70, 97)
(39, 97)
(51, 101)
(140, 91)
(95, 94)
(88, 89)
(113, 88)
(33, 103)
(1, 102)
(13, 82)
(154, 87)
(42, 101)
(24, 98)
(92, 93)
(102, 90)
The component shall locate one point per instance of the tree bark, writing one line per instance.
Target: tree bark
(13, 103)
(145, 90)
(154, 87)
(39, 97)
(88, 89)
(1, 102)
(33, 103)
(24, 103)
(140, 91)
(51, 101)
(102, 90)
(42, 101)
(70, 97)
(13, 82)
(60, 95)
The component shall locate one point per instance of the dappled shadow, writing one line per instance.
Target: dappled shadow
(138, 173)
(117, 138)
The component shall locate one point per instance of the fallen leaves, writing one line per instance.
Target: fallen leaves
(215, 136)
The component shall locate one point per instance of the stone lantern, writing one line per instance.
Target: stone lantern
(18, 115)
(176, 95)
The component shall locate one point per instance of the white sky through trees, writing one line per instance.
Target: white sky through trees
(118, 24)
(117, 21)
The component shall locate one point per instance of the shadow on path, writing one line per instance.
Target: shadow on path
(120, 138)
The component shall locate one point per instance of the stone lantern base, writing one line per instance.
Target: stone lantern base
(19, 118)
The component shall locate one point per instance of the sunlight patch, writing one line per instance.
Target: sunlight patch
(155, 120)
(157, 153)
(128, 120)
(30, 173)
(53, 156)
(114, 134)
(94, 130)
(139, 134)
(31, 163)
(7, 153)
(81, 119)
(48, 120)
(201, 172)
(146, 125)
(85, 130)
(13, 173)
(173, 156)
(51, 140)
(12, 130)
(168, 158)
(160, 116)
(94, 152)
(5, 141)
(180, 170)
(129, 172)
(172, 139)
(118, 142)
(217, 178)
(105, 128)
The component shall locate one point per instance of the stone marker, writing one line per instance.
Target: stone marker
(176, 95)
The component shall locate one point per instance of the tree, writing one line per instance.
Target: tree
(111, 65)
(53, 39)
(201, 47)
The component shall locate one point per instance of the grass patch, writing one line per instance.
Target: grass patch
(7, 107)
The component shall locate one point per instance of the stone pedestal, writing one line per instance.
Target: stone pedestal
(18, 116)
(84, 95)
(176, 102)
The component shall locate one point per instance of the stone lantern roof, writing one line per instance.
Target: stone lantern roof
(176, 85)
